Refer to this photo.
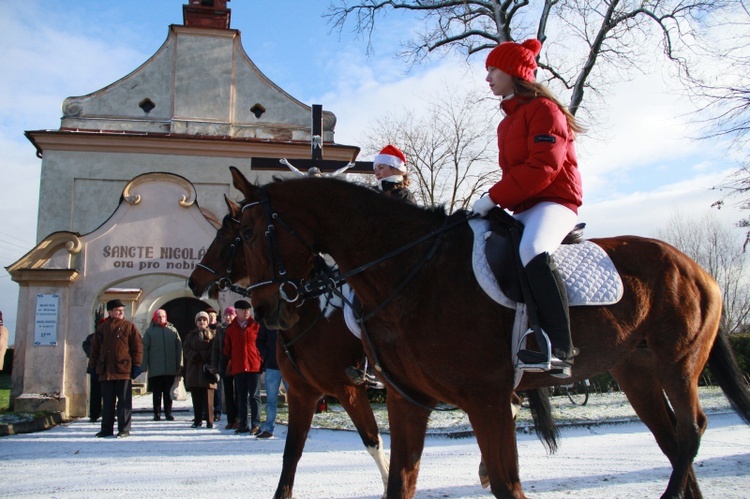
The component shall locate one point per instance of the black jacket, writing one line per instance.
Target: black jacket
(267, 346)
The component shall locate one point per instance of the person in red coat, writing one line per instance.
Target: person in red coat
(540, 185)
(245, 365)
(116, 356)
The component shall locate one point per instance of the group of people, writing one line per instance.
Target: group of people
(231, 355)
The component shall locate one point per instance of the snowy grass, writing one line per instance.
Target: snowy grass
(601, 407)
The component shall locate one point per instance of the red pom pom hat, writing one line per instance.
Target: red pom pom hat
(516, 59)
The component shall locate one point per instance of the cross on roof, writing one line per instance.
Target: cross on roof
(316, 165)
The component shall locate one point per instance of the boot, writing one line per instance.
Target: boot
(551, 299)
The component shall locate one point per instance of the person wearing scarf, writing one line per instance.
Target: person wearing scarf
(198, 378)
(162, 359)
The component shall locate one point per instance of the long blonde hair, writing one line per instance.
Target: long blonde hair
(532, 89)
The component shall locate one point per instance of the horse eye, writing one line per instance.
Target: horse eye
(247, 234)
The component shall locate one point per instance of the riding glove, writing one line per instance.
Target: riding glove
(483, 205)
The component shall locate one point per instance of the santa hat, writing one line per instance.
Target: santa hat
(516, 59)
(391, 156)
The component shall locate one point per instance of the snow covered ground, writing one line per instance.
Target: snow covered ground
(169, 459)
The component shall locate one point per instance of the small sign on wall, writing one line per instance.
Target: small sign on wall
(45, 320)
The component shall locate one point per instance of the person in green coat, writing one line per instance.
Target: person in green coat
(162, 359)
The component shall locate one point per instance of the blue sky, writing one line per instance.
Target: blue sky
(640, 166)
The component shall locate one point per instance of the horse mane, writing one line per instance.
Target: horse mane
(367, 198)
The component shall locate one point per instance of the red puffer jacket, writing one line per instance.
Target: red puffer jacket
(537, 156)
(240, 348)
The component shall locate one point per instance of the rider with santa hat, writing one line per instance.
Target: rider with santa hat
(390, 170)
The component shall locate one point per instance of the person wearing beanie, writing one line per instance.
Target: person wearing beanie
(540, 185)
(390, 170)
(162, 361)
(199, 380)
(116, 356)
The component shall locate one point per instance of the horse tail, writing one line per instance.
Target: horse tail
(545, 426)
(726, 371)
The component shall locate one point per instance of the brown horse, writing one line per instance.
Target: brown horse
(435, 336)
(319, 350)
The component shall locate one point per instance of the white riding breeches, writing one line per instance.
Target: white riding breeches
(545, 226)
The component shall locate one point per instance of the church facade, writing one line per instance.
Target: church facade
(132, 189)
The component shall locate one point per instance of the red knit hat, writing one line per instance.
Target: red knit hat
(516, 59)
(391, 156)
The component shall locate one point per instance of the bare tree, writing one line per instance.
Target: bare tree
(716, 248)
(723, 98)
(587, 43)
(451, 152)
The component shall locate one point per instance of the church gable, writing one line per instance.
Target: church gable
(236, 99)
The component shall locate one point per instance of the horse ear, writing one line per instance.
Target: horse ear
(234, 208)
(241, 183)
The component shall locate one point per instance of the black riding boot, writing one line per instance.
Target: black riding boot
(551, 299)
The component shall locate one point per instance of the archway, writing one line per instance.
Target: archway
(181, 313)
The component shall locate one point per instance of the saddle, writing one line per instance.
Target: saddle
(501, 250)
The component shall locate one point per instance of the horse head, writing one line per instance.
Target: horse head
(224, 261)
(276, 253)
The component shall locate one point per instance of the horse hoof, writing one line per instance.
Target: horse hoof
(484, 479)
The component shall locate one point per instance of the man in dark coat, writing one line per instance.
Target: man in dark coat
(116, 356)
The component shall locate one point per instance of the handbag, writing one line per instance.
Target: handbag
(211, 377)
(178, 391)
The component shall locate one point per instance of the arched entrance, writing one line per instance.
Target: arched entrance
(181, 313)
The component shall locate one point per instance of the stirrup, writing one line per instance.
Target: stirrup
(356, 376)
(537, 362)
(372, 381)
(531, 361)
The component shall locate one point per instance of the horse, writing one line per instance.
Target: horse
(313, 361)
(435, 335)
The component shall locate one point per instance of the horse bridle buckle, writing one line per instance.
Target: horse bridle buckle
(284, 294)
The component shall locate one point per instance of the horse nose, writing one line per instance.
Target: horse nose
(192, 285)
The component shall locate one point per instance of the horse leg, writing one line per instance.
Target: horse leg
(301, 399)
(516, 402)
(408, 425)
(677, 423)
(495, 431)
(354, 400)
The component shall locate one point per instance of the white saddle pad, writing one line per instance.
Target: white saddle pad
(589, 274)
(349, 318)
